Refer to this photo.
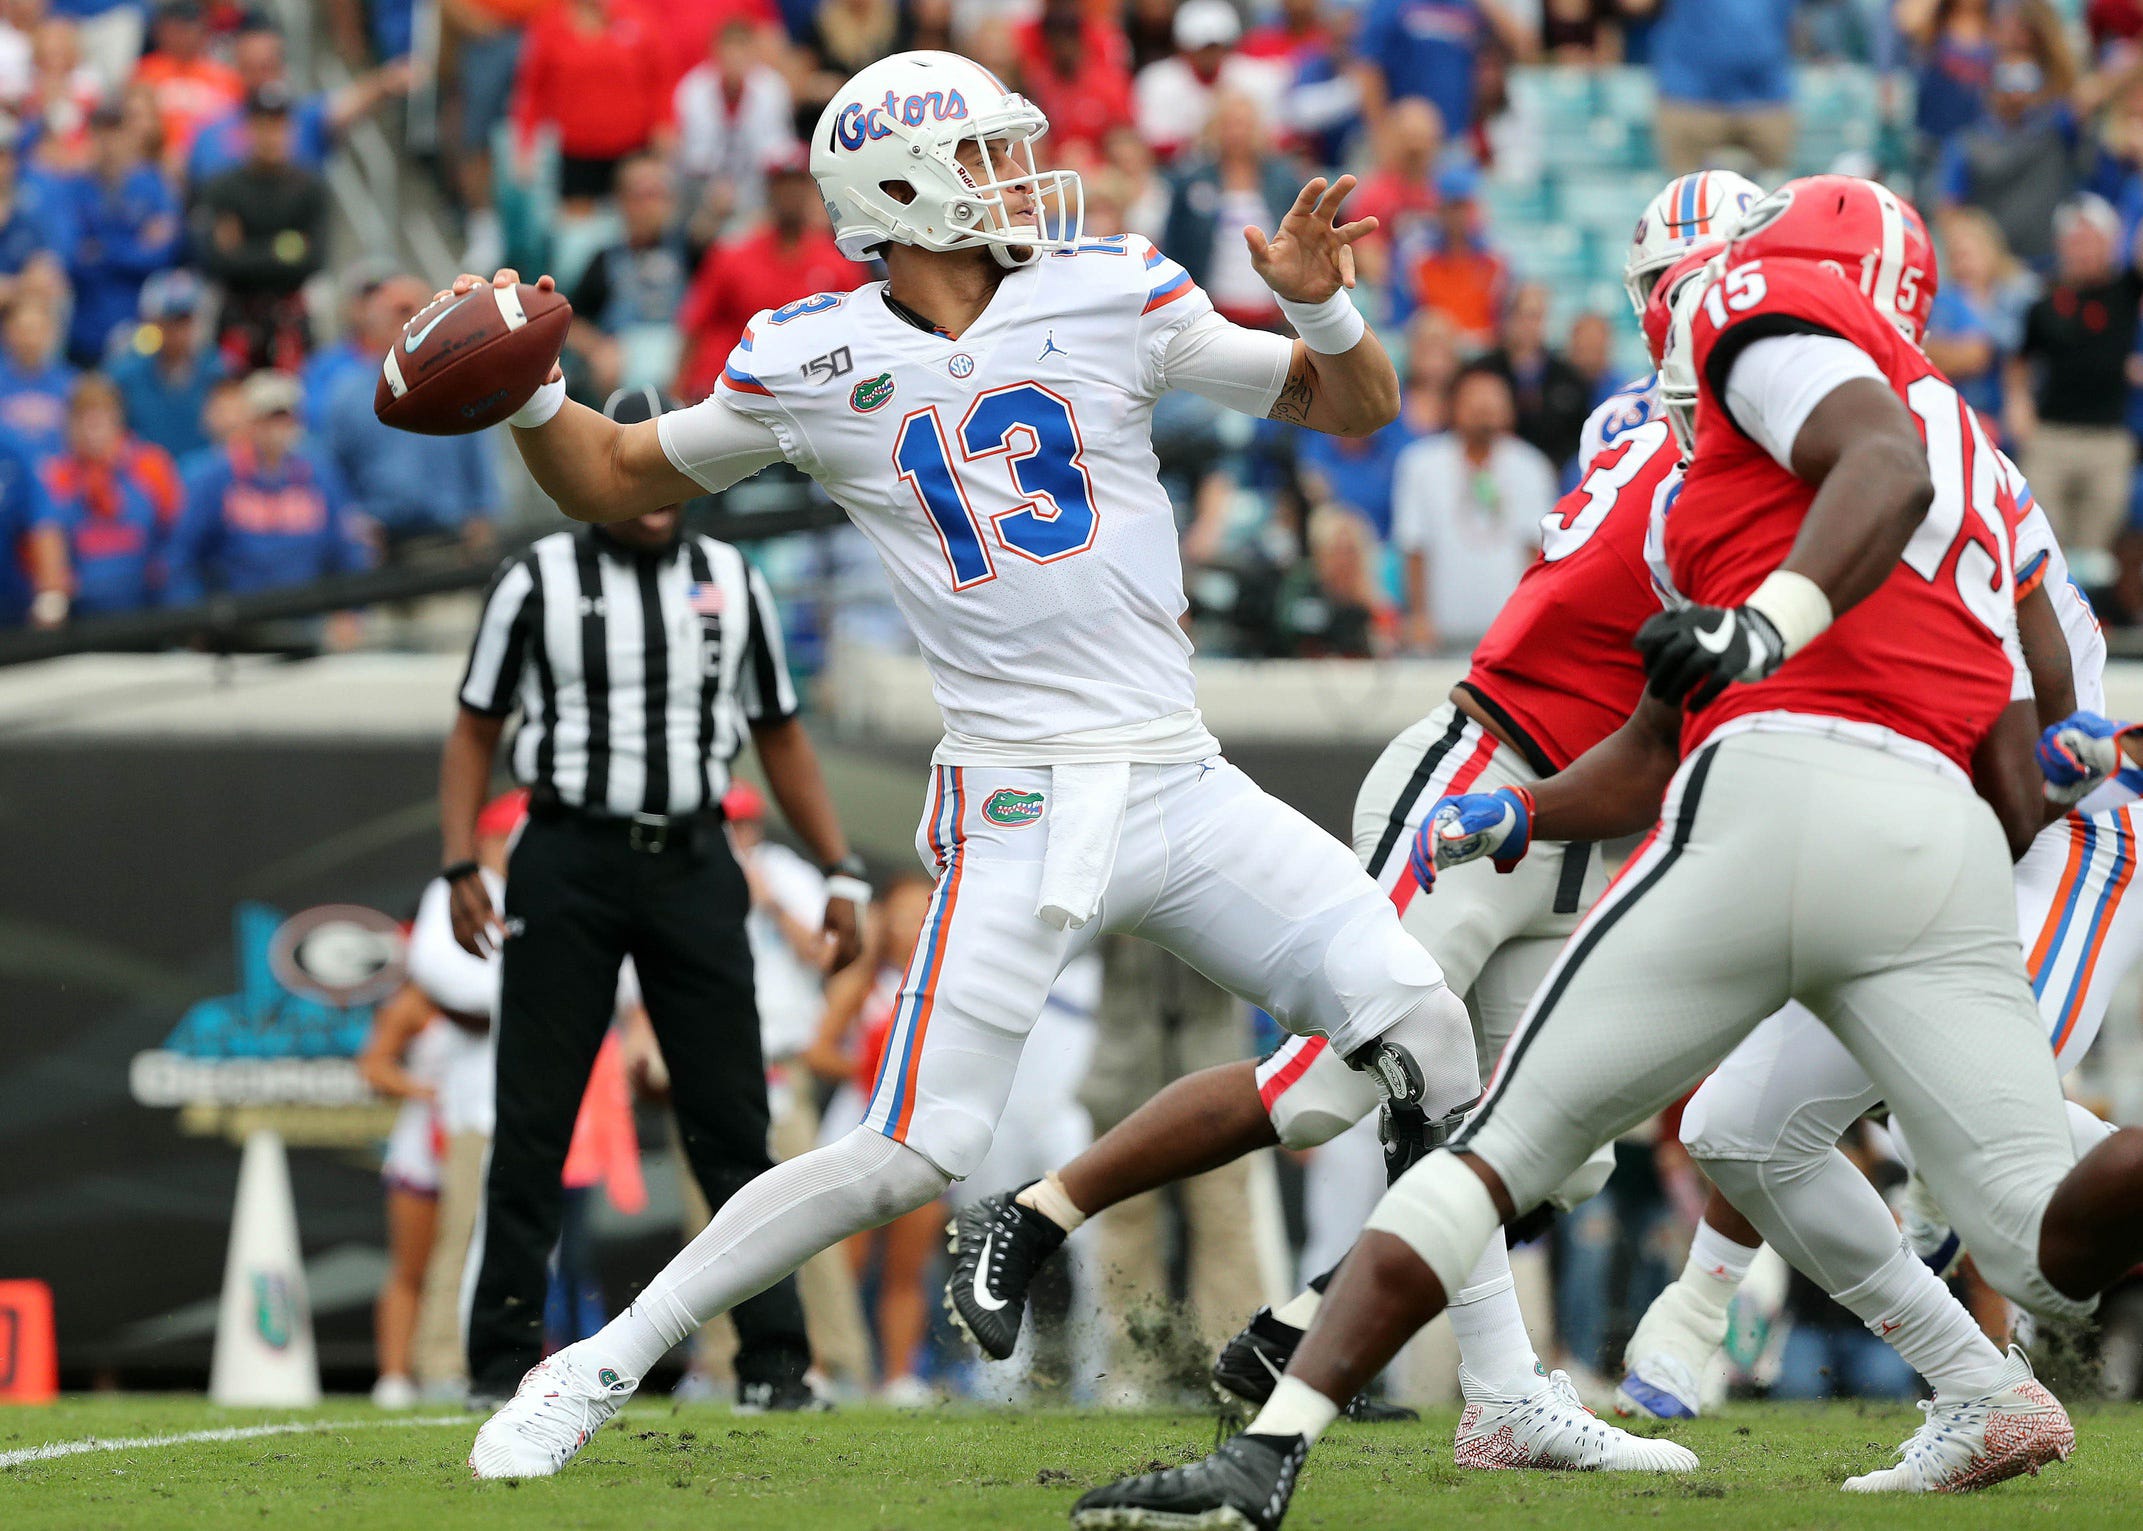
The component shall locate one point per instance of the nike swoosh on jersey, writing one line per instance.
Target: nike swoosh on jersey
(1715, 641)
(983, 1299)
(411, 342)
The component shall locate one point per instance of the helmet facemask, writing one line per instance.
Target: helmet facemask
(956, 200)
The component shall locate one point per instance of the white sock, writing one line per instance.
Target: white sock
(1047, 1197)
(1493, 1347)
(1716, 1268)
(1295, 1408)
(1300, 1310)
(767, 1229)
(1905, 1306)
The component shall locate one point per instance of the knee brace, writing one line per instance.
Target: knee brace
(1441, 1210)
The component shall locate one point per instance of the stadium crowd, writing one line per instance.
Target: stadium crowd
(167, 238)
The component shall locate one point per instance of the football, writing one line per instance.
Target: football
(468, 362)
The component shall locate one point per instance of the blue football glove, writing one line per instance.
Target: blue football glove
(2079, 753)
(1496, 824)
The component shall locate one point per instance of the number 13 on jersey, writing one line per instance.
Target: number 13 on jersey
(1032, 429)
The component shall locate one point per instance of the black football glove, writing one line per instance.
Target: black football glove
(1692, 654)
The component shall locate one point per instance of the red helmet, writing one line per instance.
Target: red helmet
(1659, 307)
(503, 814)
(1862, 228)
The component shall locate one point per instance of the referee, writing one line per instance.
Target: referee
(636, 656)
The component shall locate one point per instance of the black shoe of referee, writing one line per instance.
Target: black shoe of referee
(1250, 1364)
(997, 1246)
(1243, 1486)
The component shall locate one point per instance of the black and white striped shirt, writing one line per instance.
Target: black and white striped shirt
(634, 673)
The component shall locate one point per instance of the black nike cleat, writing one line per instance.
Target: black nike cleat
(1243, 1486)
(1252, 1363)
(997, 1246)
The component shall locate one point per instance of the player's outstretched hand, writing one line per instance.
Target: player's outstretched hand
(2078, 753)
(505, 276)
(1692, 653)
(1310, 256)
(1464, 828)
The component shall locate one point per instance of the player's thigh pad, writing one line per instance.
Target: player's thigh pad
(980, 973)
(1269, 906)
(2082, 931)
(1311, 1094)
(1674, 966)
(1902, 922)
(1789, 1091)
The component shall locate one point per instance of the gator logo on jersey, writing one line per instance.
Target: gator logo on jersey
(858, 123)
(871, 393)
(1013, 808)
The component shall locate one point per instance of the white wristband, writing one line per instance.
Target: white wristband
(1795, 605)
(850, 890)
(544, 403)
(1330, 328)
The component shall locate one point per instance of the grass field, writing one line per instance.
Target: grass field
(701, 1467)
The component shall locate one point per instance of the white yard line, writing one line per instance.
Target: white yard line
(233, 1433)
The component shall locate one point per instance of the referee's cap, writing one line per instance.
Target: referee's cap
(629, 406)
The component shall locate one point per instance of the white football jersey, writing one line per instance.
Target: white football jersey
(1635, 403)
(2039, 561)
(1006, 478)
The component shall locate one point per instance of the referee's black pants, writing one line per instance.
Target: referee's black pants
(579, 899)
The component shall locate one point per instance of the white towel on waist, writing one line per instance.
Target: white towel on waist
(1085, 823)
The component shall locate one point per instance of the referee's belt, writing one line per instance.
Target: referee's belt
(649, 833)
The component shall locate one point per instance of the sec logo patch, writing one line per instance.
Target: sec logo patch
(962, 365)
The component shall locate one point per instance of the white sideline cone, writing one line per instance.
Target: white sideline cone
(264, 1329)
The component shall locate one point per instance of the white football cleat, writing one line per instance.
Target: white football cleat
(1663, 1364)
(2018, 1427)
(394, 1391)
(1927, 1229)
(1551, 1429)
(561, 1403)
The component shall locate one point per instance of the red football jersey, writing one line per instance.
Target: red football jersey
(1558, 667)
(1924, 654)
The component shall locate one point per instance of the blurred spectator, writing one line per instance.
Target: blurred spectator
(1452, 268)
(34, 232)
(1139, 193)
(1591, 354)
(111, 503)
(1329, 605)
(592, 70)
(1431, 49)
(224, 414)
(347, 353)
(1175, 95)
(126, 229)
(1235, 184)
(841, 37)
(1355, 472)
(1321, 101)
(1585, 31)
(486, 36)
(34, 382)
(790, 255)
(417, 490)
(690, 30)
(1978, 315)
(317, 121)
(22, 507)
(165, 373)
(62, 95)
(2068, 383)
(2019, 161)
(1400, 189)
(1725, 73)
(625, 304)
(191, 87)
(265, 510)
(1433, 363)
(1551, 396)
(261, 230)
(1466, 512)
(109, 33)
(1953, 44)
(1075, 67)
(733, 119)
(2112, 23)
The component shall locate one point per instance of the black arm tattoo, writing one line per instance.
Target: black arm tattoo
(1296, 394)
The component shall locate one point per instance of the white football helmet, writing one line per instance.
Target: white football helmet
(1677, 368)
(885, 155)
(1687, 209)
